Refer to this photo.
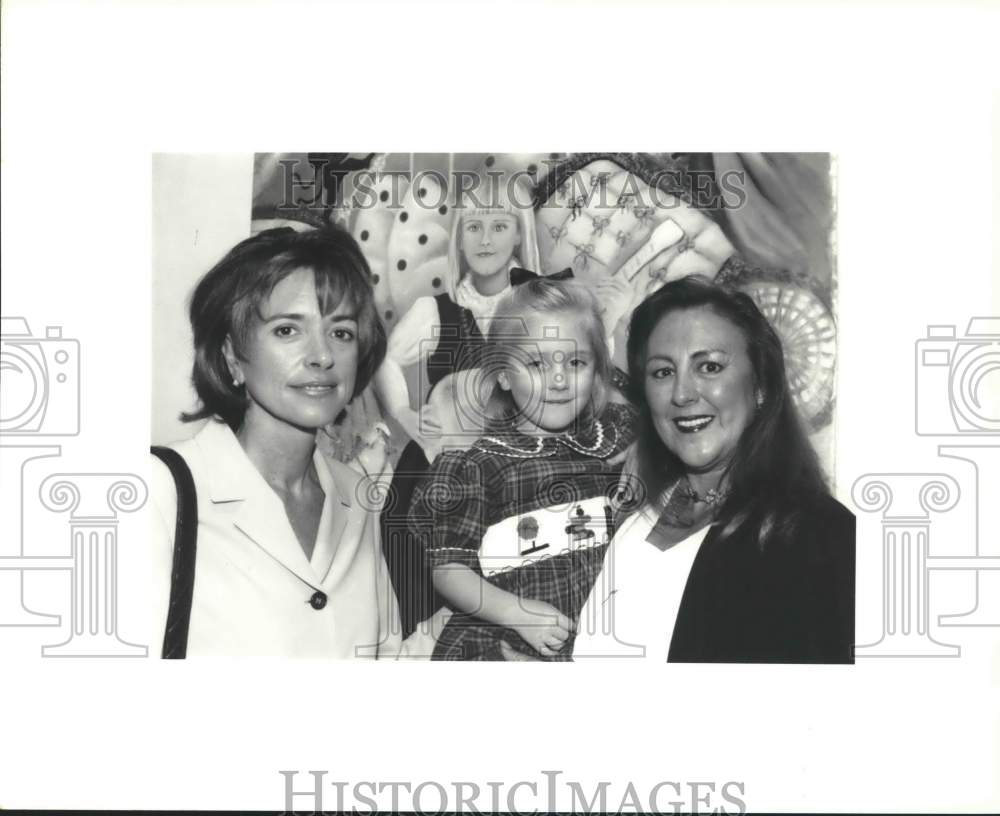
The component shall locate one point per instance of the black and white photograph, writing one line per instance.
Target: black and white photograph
(525, 408)
(529, 382)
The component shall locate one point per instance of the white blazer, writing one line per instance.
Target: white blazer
(255, 592)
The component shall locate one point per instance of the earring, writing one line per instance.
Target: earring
(760, 399)
(236, 383)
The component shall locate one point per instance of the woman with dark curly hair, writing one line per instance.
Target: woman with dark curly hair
(287, 557)
(738, 552)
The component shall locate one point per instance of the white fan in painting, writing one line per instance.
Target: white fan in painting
(809, 336)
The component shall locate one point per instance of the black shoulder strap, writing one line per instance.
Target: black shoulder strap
(185, 548)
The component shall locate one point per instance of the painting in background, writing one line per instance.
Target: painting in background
(762, 222)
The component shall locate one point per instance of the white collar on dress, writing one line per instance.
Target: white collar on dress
(482, 306)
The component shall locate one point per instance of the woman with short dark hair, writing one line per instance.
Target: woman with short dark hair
(738, 552)
(288, 557)
(227, 303)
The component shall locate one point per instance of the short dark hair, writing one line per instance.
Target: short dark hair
(774, 475)
(226, 303)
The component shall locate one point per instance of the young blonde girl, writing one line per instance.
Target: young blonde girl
(515, 528)
(493, 232)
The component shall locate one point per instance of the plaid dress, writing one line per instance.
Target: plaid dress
(532, 515)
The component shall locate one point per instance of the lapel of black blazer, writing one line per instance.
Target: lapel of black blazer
(695, 616)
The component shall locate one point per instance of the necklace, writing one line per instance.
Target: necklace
(678, 516)
(713, 497)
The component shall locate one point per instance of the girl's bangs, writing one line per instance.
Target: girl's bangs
(500, 209)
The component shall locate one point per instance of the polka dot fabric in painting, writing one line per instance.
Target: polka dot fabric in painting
(418, 244)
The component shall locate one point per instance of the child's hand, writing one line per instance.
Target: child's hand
(511, 654)
(543, 627)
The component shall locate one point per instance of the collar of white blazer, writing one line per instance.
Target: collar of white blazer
(232, 477)
(239, 494)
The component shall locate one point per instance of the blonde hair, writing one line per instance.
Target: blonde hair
(508, 194)
(508, 333)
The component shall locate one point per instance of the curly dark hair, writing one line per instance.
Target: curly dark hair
(774, 476)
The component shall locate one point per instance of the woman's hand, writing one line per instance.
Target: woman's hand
(372, 459)
(543, 627)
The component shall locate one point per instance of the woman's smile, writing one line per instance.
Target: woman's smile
(693, 424)
(318, 389)
(700, 388)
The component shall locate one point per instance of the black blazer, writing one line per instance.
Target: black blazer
(793, 602)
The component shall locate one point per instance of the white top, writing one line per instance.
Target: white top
(557, 530)
(633, 604)
(253, 582)
(413, 338)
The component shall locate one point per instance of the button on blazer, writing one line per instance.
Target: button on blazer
(255, 591)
